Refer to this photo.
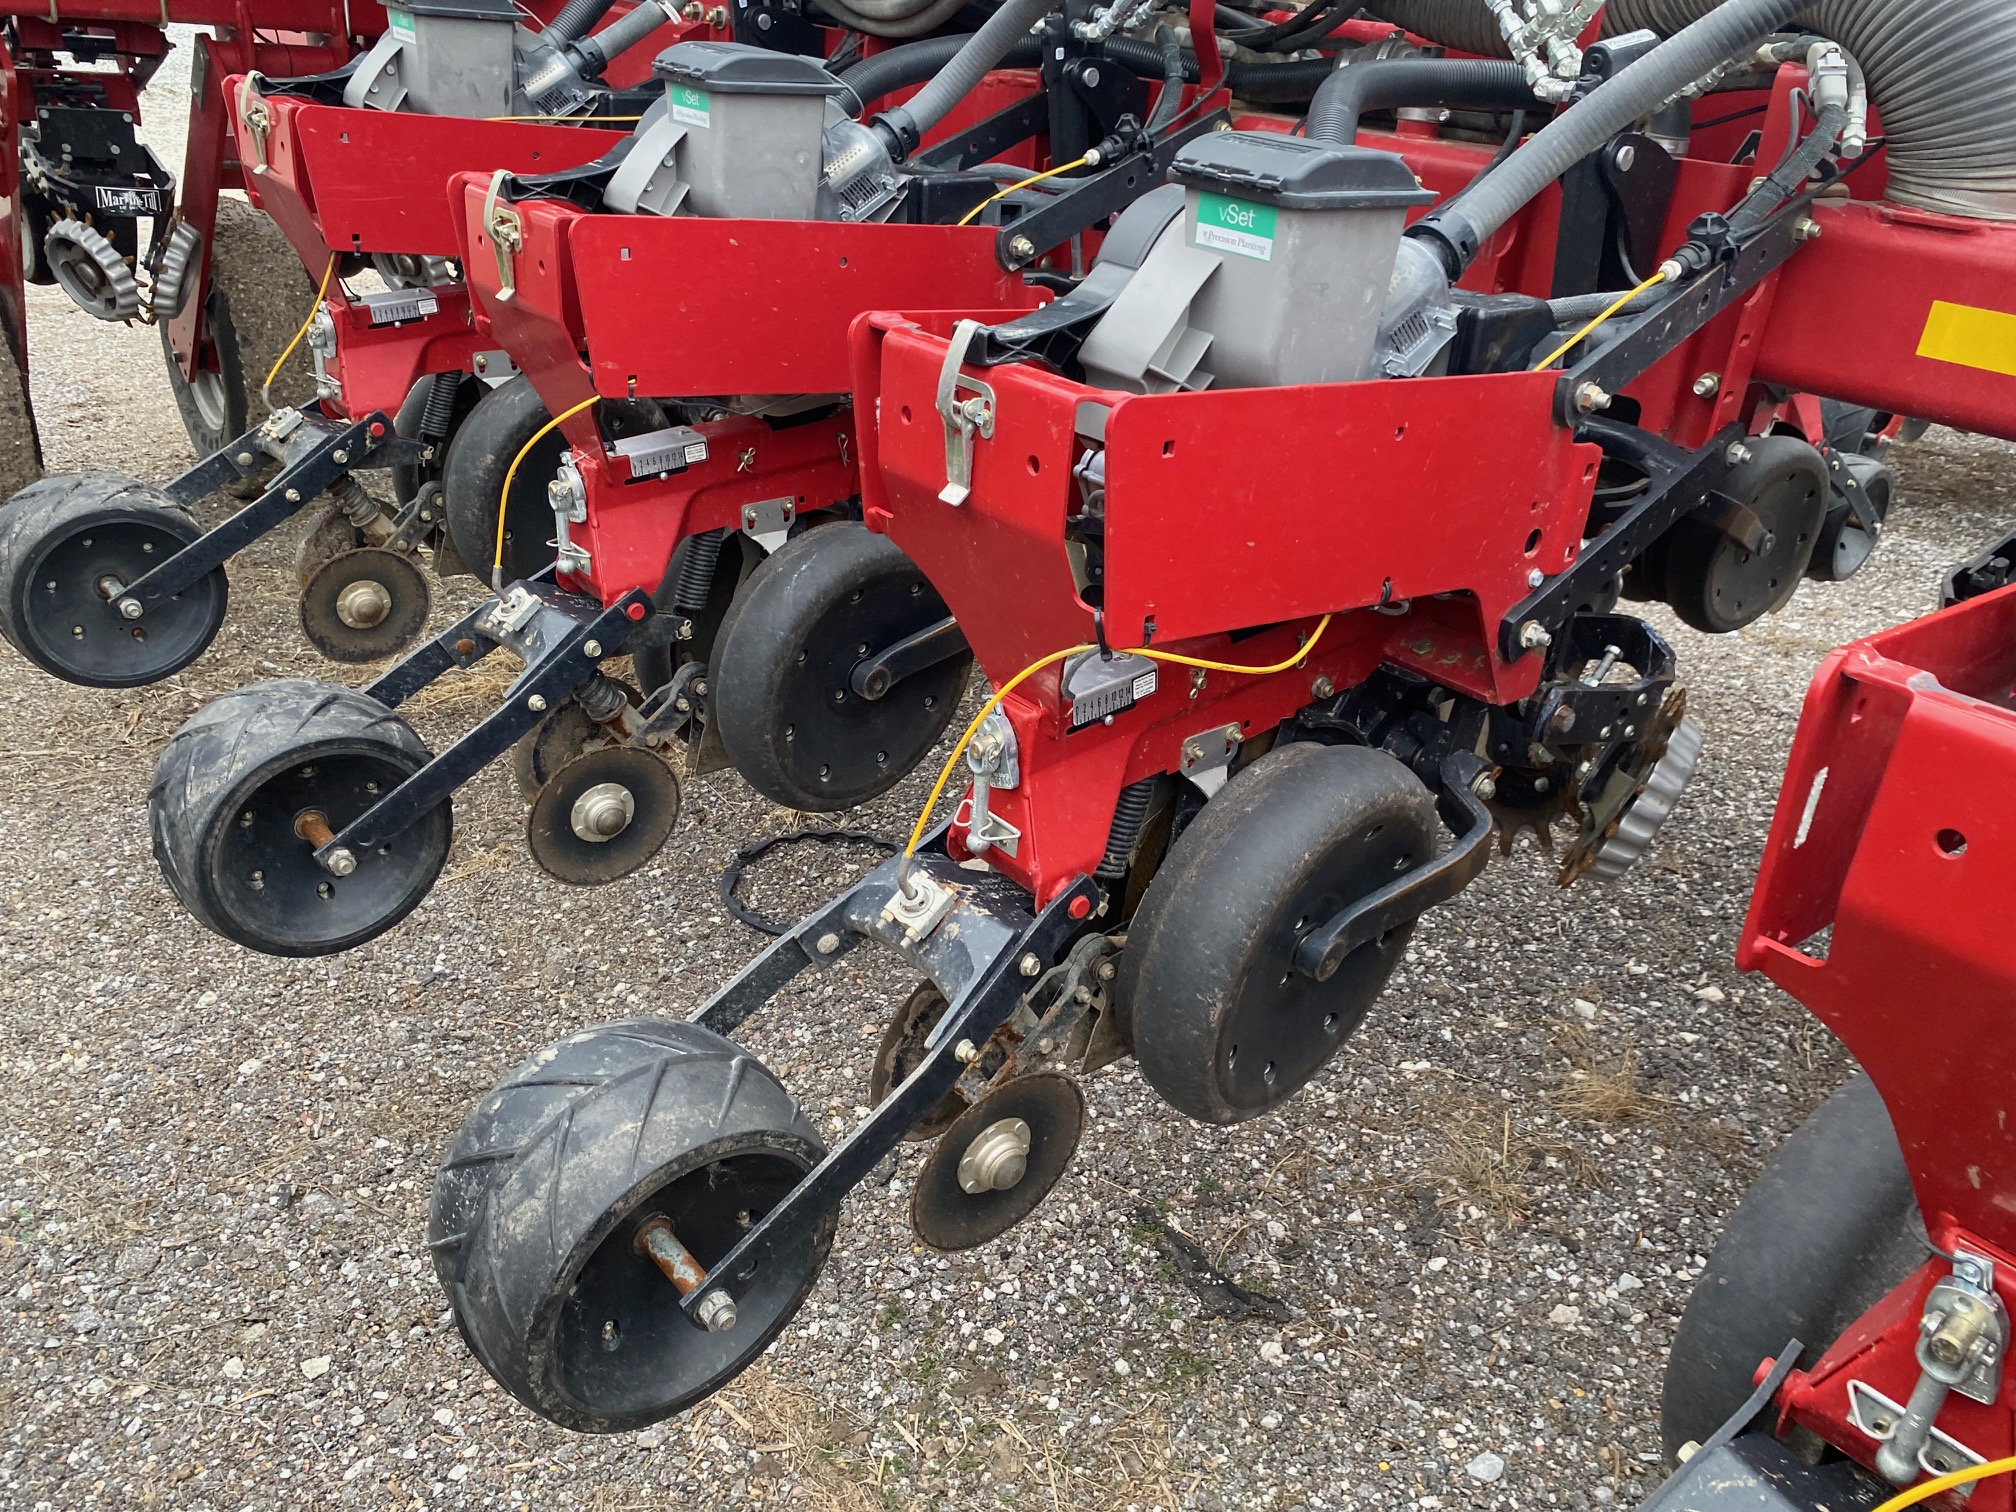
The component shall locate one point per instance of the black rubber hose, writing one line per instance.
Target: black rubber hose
(1942, 74)
(1463, 225)
(592, 55)
(1381, 83)
(574, 20)
(917, 62)
(1169, 98)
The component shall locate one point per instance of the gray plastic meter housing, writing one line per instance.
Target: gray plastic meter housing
(1305, 234)
(440, 57)
(753, 124)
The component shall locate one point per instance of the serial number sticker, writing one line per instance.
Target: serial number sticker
(690, 106)
(1969, 337)
(1225, 224)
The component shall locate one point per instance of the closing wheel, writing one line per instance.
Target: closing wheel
(479, 455)
(1222, 1023)
(328, 536)
(1855, 520)
(538, 1210)
(259, 294)
(364, 605)
(1830, 1227)
(244, 793)
(1001, 1158)
(1717, 583)
(785, 702)
(603, 815)
(68, 549)
(557, 739)
(902, 1050)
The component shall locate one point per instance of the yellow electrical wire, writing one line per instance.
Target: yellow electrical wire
(321, 290)
(1034, 178)
(511, 472)
(993, 703)
(1582, 335)
(1933, 1487)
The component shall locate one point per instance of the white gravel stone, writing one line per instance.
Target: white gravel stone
(1487, 1467)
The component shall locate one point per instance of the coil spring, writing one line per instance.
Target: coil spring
(439, 415)
(696, 573)
(1129, 814)
(351, 498)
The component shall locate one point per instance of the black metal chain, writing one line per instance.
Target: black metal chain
(731, 874)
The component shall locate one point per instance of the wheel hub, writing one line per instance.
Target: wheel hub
(997, 1159)
(603, 812)
(363, 604)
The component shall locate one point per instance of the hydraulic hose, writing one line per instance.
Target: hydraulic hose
(574, 20)
(1379, 83)
(1170, 97)
(1942, 73)
(1459, 228)
(906, 124)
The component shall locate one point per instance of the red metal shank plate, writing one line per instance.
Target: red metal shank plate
(686, 306)
(377, 181)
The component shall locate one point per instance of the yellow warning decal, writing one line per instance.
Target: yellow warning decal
(1970, 337)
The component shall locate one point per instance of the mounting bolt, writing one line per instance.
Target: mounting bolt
(341, 863)
(1590, 397)
(536, 703)
(244, 459)
(827, 944)
(1738, 454)
(1533, 635)
(1708, 385)
(1562, 720)
(1626, 158)
(1021, 249)
(130, 608)
(1485, 787)
(341, 456)
(293, 496)
(1535, 578)
(1106, 971)
(965, 1052)
(593, 649)
(1322, 687)
(1807, 230)
(1029, 966)
(716, 1312)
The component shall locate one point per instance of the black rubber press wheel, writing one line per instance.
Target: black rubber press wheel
(1717, 585)
(784, 702)
(67, 547)
(227, 811)
(537, 1208)
(1223, 1025)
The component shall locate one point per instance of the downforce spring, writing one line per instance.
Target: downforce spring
(696, 573)
(360, 508)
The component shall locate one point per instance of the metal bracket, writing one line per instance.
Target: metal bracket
(1403, 901)
(257, 116)
(1207, 757)
(1878, 1416)
(767, 522)
(963, 417)
(873, 676)
(507, 235)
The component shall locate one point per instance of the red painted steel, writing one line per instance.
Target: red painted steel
(1894, 830)
(1296, 521)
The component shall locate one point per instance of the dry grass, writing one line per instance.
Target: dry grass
(1602, 1090)
(1487, 1160)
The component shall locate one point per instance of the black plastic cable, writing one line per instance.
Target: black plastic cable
(731, 874)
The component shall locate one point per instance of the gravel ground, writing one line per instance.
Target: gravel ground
(1480, 1225)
